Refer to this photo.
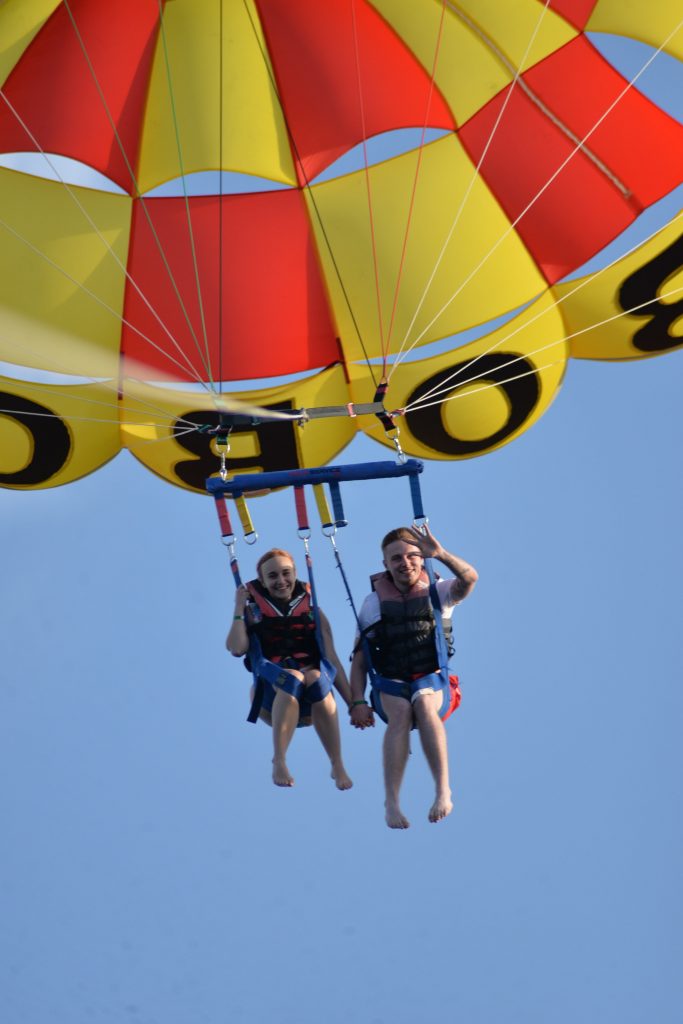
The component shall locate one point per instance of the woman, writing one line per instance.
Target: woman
(277, 607)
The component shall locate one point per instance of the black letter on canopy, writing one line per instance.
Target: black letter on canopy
(50, 435)
(275, 449)
(642, 286)
(522, 394)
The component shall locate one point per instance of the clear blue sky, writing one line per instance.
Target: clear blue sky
(151, 874)
(150, 871)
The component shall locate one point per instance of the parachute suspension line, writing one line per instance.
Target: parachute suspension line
(403, 351)
(555, 305)
(220, 199)
(422, 402)
(136, 187)
(418, 166)
(112, 421)
(181, 167)
(311, 195)
(90, 293)
(114, 404)
(74, 197)
(368, 189)
(580, 146)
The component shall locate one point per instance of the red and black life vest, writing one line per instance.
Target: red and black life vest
(284, 634)
(402, 642)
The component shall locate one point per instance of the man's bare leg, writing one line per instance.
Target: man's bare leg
(396, 749)
(433, 739)
(326, 724)
(285, 717)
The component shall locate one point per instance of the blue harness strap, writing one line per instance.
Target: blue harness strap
(266, 672)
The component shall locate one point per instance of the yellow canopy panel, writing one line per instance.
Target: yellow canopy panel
(53, 434)
(632, 309)
(478, 397)
(189, 122)
(62, 252)
(659, 24)
(483, 269)
(483, 44)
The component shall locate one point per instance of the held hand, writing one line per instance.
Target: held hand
(362, 716)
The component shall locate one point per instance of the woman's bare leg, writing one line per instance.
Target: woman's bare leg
(326, 723)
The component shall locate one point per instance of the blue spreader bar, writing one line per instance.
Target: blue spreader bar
(247, 482)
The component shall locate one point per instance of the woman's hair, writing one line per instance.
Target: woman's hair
(402, 533)
(273, 553)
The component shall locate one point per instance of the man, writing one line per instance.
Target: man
(402, 644)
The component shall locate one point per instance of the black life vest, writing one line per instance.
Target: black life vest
(402, 642)
(284, 634)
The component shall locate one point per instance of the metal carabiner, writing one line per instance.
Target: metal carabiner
(223, 449)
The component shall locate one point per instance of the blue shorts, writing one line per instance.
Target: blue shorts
(305, 706)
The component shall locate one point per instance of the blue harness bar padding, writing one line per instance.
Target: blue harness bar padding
(337, 504)
(246, 482)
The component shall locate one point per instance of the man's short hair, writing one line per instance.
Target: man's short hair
(401, 533)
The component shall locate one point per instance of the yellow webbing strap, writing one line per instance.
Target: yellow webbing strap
(323, 506)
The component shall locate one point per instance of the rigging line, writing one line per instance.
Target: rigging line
(558, 301)
(549, 182)
(517, 72)
(538, 195)
(16, 414)
(181, 166)
(95, 228)
(311, 195)
(536, 99)
(109, 386)
(222, 403)
(136, 187)
(508, 380)
(418, 166)
(220, 205)
(118, 316)
(368, 189)
(419, 404)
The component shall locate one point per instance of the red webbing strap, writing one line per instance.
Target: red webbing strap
(301, 512)
(228, 536)
(223, 516)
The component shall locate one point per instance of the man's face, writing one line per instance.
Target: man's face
(404, 563)
(278, 576)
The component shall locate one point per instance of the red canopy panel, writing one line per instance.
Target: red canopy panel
(313, 52)
(53, 89)
(576, 12)
(583, 209)
(275, 317)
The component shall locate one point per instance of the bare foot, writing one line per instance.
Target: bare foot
(281, 776)
(442, 806)
(341, 779)
(394, 817)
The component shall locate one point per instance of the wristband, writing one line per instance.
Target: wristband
(356, 703)
(238, 618)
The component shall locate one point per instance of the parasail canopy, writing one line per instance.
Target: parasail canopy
(271, 206)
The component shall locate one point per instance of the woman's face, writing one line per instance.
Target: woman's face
(278, 576)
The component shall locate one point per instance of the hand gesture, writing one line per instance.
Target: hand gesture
(426, 541)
